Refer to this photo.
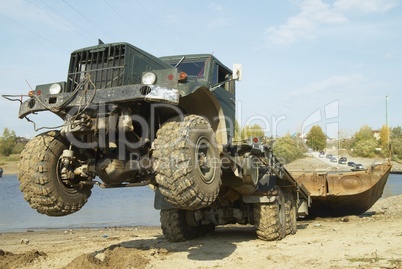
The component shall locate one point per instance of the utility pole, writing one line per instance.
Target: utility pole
(386, 111)
(386, 124)
(386, 116)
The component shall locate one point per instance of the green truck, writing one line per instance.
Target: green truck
(132, 119)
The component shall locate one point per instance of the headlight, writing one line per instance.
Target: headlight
(55, 88)
(148, 78)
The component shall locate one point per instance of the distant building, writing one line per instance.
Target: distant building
(376, 134)
(329, 139)
(22, 140)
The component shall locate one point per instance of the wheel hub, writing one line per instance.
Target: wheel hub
(205, 159)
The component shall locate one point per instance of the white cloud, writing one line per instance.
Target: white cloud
(295, 28)
(335, 84)
(315, 95)
(312, 14)
(320, 12)
(365, 6)
(316, 13)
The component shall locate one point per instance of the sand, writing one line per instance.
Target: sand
(372, 240)
(10, 168)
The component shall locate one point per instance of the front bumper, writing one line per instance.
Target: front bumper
(127, 93)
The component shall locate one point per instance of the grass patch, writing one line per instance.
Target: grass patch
(374, 259)
(9, 159)
(395, 263)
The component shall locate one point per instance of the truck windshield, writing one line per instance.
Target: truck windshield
(193, 68)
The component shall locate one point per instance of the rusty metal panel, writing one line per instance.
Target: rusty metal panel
(346, 192)
(315, 183)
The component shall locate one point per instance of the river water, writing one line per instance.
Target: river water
(105, 208)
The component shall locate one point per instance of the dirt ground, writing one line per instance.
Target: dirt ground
(371, 240)
(10, 168)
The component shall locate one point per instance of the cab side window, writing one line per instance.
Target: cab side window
(220, 74)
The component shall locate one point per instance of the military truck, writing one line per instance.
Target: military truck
(132, 119)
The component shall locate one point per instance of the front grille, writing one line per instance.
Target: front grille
(109, 65)
(105, 66)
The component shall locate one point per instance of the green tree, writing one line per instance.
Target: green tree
(365, 133)
(384, 140)
(347, 143)
(396, 146)
(237, 132)
(18, 148)
(365, 148)
(396, 142)
(396, 132)
(288, 148)
(364, 143)
(247, 132)
(316, 139)
(7, 142)
(254, 130)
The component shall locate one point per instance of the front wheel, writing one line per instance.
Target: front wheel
(40, 178)
(187, 163)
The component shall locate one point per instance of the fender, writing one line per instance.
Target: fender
(203, 102)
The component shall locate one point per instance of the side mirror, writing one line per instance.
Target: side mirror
(237, 71)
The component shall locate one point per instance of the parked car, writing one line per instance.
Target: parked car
(351, 164)
(329, 156)
(334, 159)
(321, 155)
(358, 167)
(342, 160)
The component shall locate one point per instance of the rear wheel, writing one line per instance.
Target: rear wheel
(270, 219)
(186, 161)
(40, 178)
(180, 225)
(291, 213)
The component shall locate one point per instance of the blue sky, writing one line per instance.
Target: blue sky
(308, 62)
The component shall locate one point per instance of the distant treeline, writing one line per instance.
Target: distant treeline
(10, 143)
(366, 142)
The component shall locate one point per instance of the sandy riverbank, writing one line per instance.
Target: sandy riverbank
(372, 240)
(10, 168)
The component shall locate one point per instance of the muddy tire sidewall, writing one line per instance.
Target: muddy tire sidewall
(186, 162)
(40, 180)
(176, 228)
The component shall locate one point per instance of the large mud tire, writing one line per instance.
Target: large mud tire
(176, 226)
(186, 162)
(291, 213)
(40, 181)
(270, 219)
